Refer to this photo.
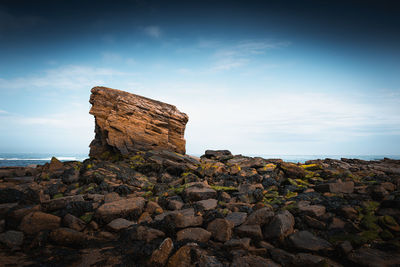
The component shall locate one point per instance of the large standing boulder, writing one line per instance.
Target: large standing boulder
(127, 122)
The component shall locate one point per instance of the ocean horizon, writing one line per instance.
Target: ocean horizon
(25, 159)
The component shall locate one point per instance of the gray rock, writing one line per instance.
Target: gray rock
(305, 240)
(207, 204)
(374, 258)
(12, 239)
(237, 217)
(312, 210)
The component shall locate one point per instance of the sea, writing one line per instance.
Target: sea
(25, 159)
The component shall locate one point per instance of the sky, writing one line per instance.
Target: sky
(255, 77)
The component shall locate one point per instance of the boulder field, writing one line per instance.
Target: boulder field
(134, 203)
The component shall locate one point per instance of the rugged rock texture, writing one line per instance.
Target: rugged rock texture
(160, 208)
(127, 123)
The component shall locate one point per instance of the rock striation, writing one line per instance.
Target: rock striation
(125, 123)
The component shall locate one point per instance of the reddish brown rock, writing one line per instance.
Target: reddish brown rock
(127, 122)
(38, 221)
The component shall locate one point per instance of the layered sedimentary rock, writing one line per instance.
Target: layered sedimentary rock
(127, 122)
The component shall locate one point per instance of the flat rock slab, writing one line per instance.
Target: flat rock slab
(207, 204)
(194, 234)
(195, 193)
(374, 258)
(130, 207)
(305, 240)
(338, 187)
(119, 224)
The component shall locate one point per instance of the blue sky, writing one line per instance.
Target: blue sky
(301, 78)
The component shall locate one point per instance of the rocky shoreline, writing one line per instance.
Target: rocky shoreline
(160, 208)
(147, 205)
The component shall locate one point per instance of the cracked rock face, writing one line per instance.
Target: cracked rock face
(127, 122)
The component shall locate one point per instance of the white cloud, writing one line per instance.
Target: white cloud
(64, 78)
(152, 31)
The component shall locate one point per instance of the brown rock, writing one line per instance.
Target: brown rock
(38, 221)
(160, 256)
(68, 237)
(252, 231)
(194, 234)
(280, 226)
(221, 229)
(119, 224)
(292, 170)
(55, 164)
(130, 207)
(73, 222)
(129, 122)
(253, 261)
(237, 217)
(338, 187)
(146, 233)
(261, 216)
(182, 257)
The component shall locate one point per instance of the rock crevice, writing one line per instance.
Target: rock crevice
(126, 123)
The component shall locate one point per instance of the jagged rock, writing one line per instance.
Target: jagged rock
(160, 256)
(38, 221)
(280, 226)
(242, 243)
(145, 233)
(221, 229)
(183, 256)
(127, 122)
(237, 217)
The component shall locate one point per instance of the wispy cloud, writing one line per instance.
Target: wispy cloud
(3, 112)
(64, 77)
(152, 31)
(241, 53)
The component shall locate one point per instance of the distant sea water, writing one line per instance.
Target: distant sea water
(25, 159)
